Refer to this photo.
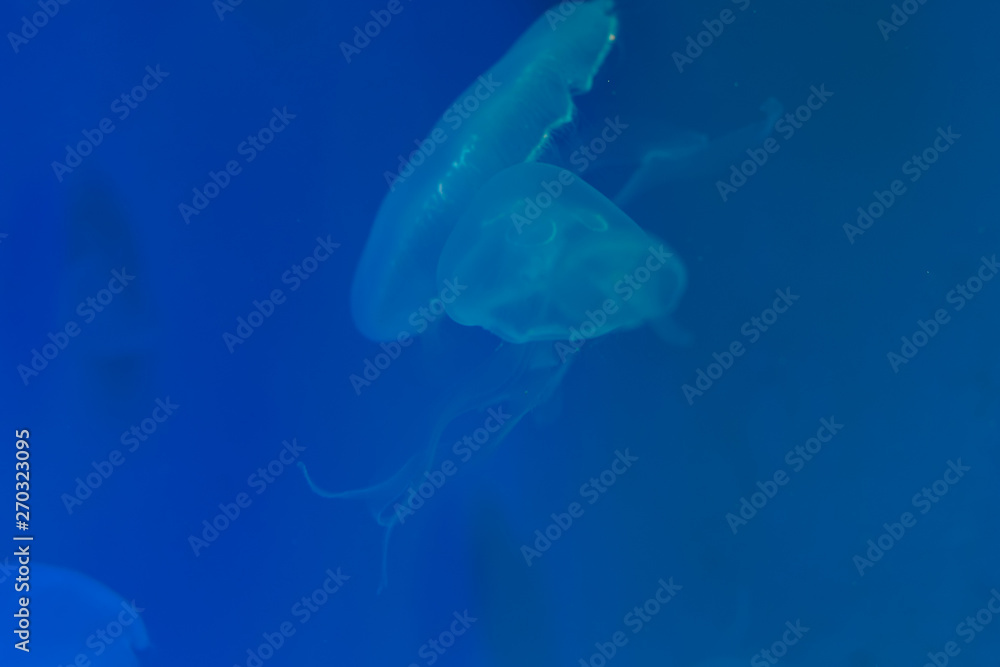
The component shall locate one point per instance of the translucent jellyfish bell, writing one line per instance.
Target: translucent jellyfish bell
(540, 249)
(73, 615)
(505, 117)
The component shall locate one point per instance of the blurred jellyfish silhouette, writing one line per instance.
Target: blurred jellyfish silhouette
(535, 248)
(72, 615)
(117, 344)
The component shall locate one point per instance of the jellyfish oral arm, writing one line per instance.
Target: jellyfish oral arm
(699, 158)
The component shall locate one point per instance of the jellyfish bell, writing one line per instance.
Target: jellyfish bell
(542, 252)
(505, 117)
(72, 615)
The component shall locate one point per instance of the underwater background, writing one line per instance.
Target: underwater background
(826, 496)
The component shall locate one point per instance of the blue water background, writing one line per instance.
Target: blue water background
(323, 175)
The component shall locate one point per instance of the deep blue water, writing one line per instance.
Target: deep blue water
(715, 510)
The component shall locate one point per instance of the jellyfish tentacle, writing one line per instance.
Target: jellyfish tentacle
(528, 376)
(696, 159)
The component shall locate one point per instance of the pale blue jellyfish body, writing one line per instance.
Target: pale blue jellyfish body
(73, 615)
(461, 214)
(505, 118)
(519, 103)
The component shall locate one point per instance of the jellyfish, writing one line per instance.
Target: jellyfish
(72, 615)
(507, 116)
(549, 261)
